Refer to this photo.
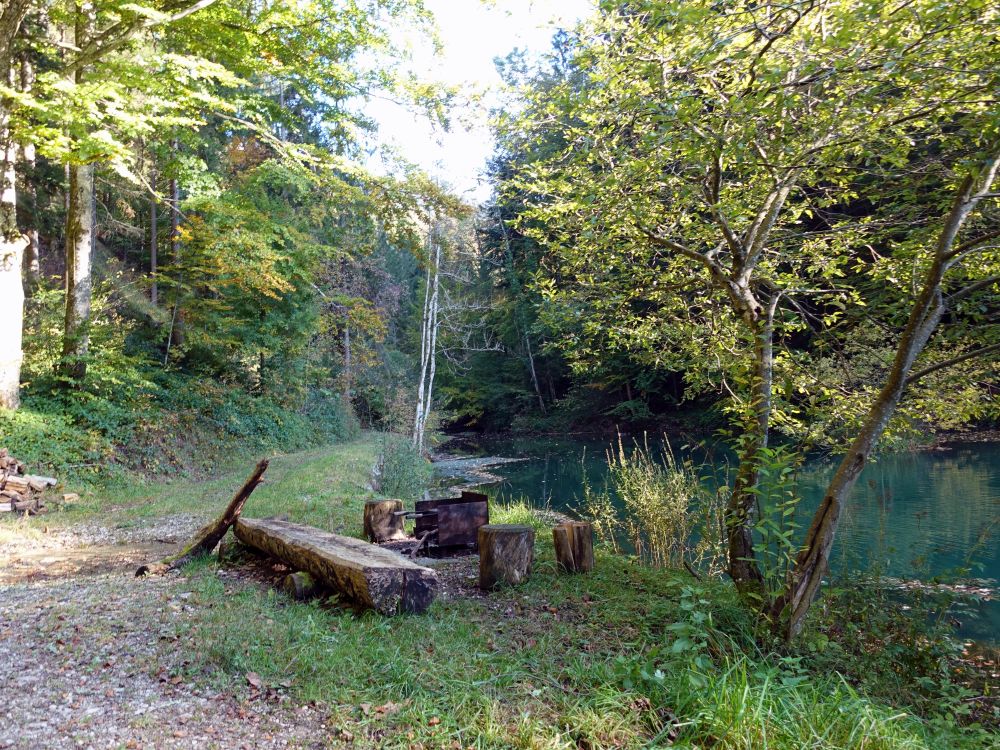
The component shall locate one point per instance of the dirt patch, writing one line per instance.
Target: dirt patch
(102, 662)
(43, 563)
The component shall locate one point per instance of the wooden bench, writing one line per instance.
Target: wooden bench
(372, 576)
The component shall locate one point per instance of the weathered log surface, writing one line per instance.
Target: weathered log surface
(506, 552)
(371, 576)
(574, 545)
(205, 540)
(381, 522)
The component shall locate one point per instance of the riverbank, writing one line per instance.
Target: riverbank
(625, 657)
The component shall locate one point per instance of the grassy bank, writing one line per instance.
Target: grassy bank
(627, 656)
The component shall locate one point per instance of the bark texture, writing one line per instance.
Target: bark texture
(371, 576)
(381, 522)
(574, 545)
(506, 552)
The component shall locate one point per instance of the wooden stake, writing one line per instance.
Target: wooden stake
(206, 539)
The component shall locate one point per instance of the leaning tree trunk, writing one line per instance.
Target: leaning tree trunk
(927, 312)
(12, 245)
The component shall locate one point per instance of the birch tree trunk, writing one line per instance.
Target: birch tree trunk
(925, 315)
(428, 346)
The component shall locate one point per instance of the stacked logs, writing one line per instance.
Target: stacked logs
(19, 491)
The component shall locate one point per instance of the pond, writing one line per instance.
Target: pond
(916, 515)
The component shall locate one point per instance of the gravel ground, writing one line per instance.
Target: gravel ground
(91, 657)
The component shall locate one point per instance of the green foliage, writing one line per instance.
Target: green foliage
(401, 471)
(51, 443)
(775, 526)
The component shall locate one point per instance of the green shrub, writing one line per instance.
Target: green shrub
(51, 443)
(401, 471)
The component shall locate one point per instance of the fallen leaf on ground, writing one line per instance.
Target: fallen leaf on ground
(254, 679)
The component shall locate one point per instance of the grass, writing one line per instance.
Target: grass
(626, 656)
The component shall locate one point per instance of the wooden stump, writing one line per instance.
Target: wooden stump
(381, 523)
(505, 554)
(300, 585)
(574, 543)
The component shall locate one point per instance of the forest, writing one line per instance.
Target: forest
(768, 232)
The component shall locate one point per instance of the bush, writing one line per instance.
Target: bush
(52, 444)
(401, 471)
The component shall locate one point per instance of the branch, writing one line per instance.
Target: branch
(118, 34)
(949, 362)
(662, 241)
(972, 289)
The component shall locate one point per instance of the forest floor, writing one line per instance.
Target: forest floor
(212, 656)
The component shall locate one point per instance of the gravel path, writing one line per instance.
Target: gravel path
(91, 657)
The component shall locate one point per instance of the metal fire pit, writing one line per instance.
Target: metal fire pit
(450, 526)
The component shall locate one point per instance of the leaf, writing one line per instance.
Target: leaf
(254, 680)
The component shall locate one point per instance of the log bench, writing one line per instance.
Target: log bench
(371, 576)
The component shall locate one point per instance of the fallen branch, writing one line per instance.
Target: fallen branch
(205, 540)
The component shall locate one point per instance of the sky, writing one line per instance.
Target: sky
(473, 33)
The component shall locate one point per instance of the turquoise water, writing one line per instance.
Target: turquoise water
(915, 515)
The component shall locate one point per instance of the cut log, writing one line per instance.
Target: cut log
(205, 540)
(381, 522)
(24, 483)
(506, 552)
(574, 544)
(371, 576)
(300, 585)
(6, 507)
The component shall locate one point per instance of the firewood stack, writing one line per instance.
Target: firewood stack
(19, 491)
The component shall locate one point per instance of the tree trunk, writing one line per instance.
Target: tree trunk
(381, 523)
(12, 245)
(32, 260)
(80, 214)
(743, 567)
(574, 546)
(79, 282)
(347, 363)
(505, 554)
(428, 344)
(154, 292)
(925, 315)
(208, 537)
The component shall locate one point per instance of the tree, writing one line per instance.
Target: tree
(706, 207)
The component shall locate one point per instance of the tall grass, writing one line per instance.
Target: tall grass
(668, 516)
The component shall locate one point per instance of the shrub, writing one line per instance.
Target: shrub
(400, 471)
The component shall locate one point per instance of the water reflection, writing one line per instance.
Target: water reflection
(913, 515)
